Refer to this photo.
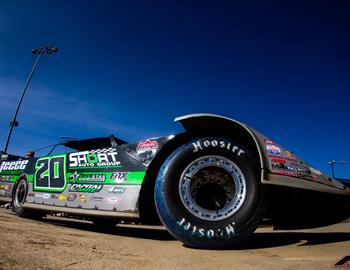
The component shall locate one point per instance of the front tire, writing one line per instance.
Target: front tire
(208, 194)
(18, 199)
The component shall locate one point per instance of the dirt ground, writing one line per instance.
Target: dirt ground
(57, 243)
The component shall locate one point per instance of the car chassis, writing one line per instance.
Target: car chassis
(210, 186)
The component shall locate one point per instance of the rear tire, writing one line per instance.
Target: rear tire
(208, 194)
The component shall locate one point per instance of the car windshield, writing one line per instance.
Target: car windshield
(58, 149)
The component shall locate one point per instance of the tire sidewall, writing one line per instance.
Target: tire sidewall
(191, 229)
(18, 209)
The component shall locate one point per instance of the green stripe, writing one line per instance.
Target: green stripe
(135, 178)
(12, 172)
(132, 178)
(55, 166)
(30, 178)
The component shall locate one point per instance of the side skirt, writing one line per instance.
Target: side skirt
(79, 211)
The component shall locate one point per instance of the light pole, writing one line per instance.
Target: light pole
(333, 162)
(39, 52)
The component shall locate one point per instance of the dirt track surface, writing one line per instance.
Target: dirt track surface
(56, 243)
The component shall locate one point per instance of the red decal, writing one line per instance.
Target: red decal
(147, 144)
(267, 141)
(278, 160)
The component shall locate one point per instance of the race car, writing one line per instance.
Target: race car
(211, 186)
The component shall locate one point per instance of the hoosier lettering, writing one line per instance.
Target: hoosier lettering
(200, 145)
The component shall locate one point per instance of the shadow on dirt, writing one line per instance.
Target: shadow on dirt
(275, 239)
(136, 231)
(258, 240)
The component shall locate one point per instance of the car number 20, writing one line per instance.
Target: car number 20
(50, 174)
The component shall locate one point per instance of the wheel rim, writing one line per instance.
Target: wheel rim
(212, 188)
(20, 194)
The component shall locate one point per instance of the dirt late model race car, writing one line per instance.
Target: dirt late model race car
(210, 186)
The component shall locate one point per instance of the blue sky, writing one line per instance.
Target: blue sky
(129, 67)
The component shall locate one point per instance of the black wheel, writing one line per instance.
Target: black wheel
(208, 194)
(18, 199)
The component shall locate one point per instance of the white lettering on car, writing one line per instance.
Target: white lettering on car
(101, 157)
(13, 165)
(199, 145)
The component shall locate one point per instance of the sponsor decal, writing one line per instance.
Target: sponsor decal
(94, 158)
(288, 153)
(83, 198)
(71, 197)
(31, 194)
(112, 200)
(278, 160)
(61, 197)
(2, 187)
(273, 150)
(119, 177)
(315, 171)
(200, 145)
(267, 141)
(54, 196)
(6, 178)
(46, 196)
(93, 177)
(88, 188)
(116, 190)
(292, 159)
(278, 166)
(227, 231)
(303, 171)
(96, 198)
(38, 195)
(7, 187)
(294, 174)
(147, 149)
(314, 177)
(75, 177)
(290, 168)
(13, 165)
(287, 158)
(282, 168)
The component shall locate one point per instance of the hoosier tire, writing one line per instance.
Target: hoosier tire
(208, 194)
